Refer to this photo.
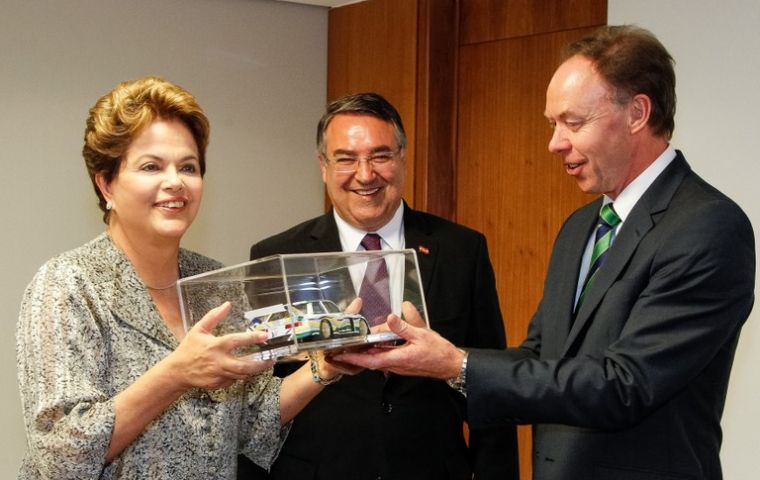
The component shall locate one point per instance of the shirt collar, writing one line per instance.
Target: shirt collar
(631, 194)
(392, 233)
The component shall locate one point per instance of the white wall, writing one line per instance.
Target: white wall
(258, 68)
(715, 44)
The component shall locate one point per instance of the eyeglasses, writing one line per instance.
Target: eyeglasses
(379, 161)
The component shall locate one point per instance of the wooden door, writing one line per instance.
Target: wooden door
(469, 79)
(508, 185)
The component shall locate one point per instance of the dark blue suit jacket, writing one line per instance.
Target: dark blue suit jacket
(367, 427)
(633, 387)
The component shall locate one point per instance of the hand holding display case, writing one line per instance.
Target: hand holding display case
(300, 300)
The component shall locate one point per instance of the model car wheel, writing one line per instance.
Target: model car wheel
(325, 330)
(363, 327)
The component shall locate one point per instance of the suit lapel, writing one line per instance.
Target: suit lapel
(324, 235)
(130, 301)
(643, 218)
(631, 233)
(418, 237)
(570, 263)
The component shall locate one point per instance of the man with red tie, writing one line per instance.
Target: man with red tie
(374, 426)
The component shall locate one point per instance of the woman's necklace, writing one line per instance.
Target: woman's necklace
(155, 289)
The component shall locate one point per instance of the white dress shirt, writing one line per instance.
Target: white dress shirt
(391, 238)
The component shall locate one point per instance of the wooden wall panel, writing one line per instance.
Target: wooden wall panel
(372, 46)
(435, 189)
(469, 80)
(488, 20)
(508, 185)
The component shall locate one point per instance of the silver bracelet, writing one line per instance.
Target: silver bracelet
(314, 363)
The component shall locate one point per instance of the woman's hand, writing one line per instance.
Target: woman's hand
(204, 360)
(201, 360)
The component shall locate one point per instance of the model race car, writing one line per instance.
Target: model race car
(306, 321)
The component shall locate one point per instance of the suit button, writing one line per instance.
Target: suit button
(387, 407)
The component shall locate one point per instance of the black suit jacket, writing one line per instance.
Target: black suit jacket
(633, 387)
(367, 427)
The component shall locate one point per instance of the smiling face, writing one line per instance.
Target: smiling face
(368, 197)
(157, 190)
(592, 133)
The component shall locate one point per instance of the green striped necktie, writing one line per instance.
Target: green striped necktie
(605, 234)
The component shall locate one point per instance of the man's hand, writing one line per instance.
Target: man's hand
(425, 352)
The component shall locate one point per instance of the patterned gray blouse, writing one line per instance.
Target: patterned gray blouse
(88, 328)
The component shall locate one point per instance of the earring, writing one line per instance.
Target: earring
(109, 205)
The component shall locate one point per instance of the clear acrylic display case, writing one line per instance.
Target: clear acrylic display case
(300, 299)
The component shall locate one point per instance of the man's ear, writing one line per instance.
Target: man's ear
(639, 111)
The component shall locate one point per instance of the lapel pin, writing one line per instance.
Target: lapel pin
(423, 249)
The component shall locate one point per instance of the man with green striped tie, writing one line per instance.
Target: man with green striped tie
(625, 368)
